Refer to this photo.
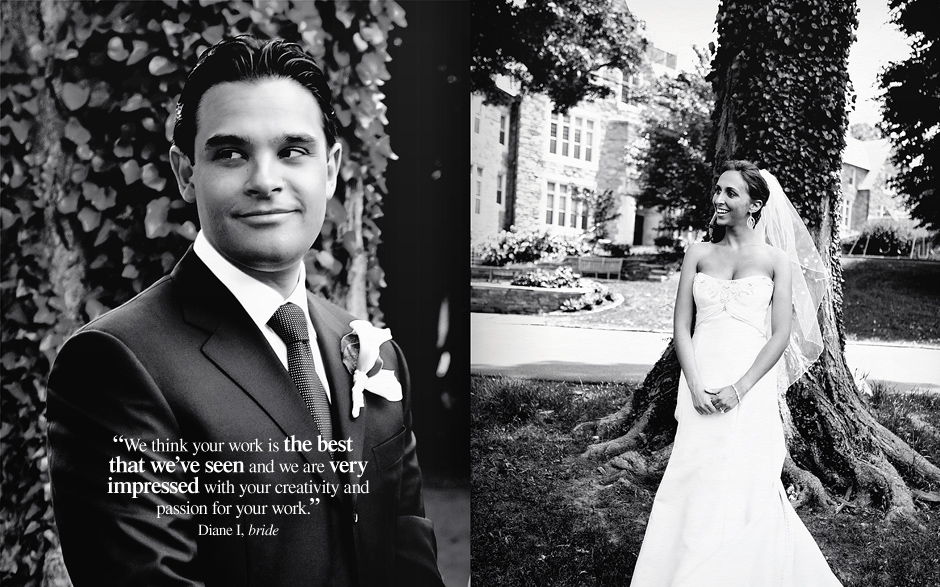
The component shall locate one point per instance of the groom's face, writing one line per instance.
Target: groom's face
(261, 173)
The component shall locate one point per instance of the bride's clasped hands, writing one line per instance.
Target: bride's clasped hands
(723, 400)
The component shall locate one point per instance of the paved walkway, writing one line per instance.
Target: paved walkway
(514, 346)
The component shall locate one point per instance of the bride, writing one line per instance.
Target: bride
(721, 516)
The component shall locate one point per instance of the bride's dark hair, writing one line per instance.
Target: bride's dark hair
(756, 189)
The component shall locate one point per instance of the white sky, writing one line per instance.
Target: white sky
(676, 25)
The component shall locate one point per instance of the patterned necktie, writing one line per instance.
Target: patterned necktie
(289, 324)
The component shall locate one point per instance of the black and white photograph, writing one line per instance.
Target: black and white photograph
(705, 281)
(234, 343)
(700, 344)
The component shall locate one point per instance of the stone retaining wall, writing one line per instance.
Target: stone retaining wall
(497, 298)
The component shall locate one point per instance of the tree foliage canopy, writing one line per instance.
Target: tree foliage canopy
(675, 164)
(555, 48)
(912, 110)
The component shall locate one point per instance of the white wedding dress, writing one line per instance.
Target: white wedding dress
(721, 516)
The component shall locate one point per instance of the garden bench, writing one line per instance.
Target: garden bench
(490, 273)
(600, 265)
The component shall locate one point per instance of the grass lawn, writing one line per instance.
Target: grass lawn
(892, 300)
(541, 517)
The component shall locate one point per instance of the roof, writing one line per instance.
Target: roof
(867, 155)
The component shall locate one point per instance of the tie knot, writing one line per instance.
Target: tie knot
(289, 323)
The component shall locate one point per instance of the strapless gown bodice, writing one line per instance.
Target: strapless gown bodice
(721, 517)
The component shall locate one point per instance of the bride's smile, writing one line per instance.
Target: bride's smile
(732, 202)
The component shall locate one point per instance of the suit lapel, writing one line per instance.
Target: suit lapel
(237, 347)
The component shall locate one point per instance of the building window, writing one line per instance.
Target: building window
(479, 190)
(476, 124)
(562, 209)
(846, 212)
(499, 188)
(628, 88)
(660, 57)
(502, 130)
(576, 137)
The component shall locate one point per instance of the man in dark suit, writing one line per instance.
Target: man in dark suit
(230, 364)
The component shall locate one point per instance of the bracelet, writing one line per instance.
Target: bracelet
(736, 394)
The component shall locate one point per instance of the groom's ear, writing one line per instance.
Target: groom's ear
(183, 171)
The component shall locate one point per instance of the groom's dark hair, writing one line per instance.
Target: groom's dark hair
(248, 59)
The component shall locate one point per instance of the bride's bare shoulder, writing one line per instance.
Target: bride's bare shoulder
(699, 250)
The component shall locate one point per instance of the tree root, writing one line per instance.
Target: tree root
(810, 489)
(622, 444)
(882, 479)
(903, 457)
(925, 496)
(608, 424)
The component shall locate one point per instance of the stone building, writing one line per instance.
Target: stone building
(528, 163)
(866, 196)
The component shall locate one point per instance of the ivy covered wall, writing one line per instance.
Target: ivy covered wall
(90, 214)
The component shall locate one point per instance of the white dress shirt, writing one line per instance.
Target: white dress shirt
(261, 301)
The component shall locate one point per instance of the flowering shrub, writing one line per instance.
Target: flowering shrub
(561, 277)
(525, 247)
(888, 237)
(598, 296)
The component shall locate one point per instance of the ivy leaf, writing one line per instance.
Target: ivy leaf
(7, 218)
(187, 230)
(329, 262)
(74, 96)
(89, 218)
(94, 308)
(123, 151)
(135, 102)
(84, 152)
(344, 14)
(32, 106)
(100, 198)
(155, 222)
(116, 50)
(160, 65)
(107, 227)
(138, 52)
(151, 178)
(351, 244)
(100, 94)
(75, 132)
(213, 34)
(20, 130)
(131, 170)
(335, 211)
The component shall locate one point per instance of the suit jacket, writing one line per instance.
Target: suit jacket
(183, 361)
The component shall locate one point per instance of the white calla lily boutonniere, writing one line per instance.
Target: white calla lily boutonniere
(361, 357)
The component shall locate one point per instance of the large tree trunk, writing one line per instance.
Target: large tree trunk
(834, 441)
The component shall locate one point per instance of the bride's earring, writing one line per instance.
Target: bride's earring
(751, 222)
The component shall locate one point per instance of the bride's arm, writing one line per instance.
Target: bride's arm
(682, 329)
(780, 315)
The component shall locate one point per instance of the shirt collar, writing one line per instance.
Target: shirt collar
(260, 301)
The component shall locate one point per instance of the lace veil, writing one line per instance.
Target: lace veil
(783, 228)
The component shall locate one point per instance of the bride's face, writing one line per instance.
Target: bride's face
(731, 200)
